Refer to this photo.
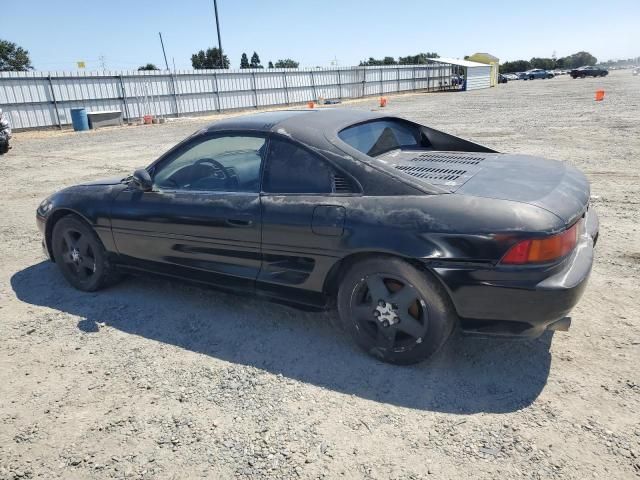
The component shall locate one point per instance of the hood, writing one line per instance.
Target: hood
(104, 181)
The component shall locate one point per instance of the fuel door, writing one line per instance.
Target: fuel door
(328, 220)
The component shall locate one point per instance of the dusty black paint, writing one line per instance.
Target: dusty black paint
(291, 247)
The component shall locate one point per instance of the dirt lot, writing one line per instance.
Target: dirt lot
(153, 379)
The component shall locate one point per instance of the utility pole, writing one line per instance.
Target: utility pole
(163, 52)
(215, 9)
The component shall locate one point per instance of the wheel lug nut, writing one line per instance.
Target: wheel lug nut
(385, 323)
(376, 313)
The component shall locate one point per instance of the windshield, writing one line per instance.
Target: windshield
(380, 136)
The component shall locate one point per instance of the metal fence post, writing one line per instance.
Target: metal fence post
(364, 81)
(124, 99)
(398, 78)
(215, 81)
(381, 83)
(255, 91)
(414, 78)
(339, 84)
(55, 102)
(313, 87)
(286, 88)
(175, 94)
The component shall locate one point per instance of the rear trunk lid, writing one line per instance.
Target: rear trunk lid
(548, 184)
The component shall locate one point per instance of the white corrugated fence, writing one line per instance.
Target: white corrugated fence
(39, 99)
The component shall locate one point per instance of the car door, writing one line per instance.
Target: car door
(202, 219)
(304, 200)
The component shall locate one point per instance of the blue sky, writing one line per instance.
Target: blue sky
(125, 32)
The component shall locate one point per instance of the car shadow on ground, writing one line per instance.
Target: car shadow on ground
(468, 375)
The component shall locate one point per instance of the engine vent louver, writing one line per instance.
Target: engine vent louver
(457, 158)
(341, 184)
(442, 168)
(431, 173)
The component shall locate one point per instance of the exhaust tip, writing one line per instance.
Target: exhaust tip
(561, 325)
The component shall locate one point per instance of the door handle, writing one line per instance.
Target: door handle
(236, 222)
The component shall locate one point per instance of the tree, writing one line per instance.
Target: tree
(13, 57)
(148, 66)
(375, 62)
(579, 59)
(287, 63)
(244, 61)
(543, 63)
(572, 61)
(515, 66)
(209, 59)
(270, 64)
(255, 61)
(419, 59)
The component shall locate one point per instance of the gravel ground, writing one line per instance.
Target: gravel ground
(153, 379)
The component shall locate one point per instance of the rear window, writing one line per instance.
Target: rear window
(380, 136)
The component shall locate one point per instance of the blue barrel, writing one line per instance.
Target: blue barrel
(79, 119)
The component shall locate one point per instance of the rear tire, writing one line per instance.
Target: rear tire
(394, 311)
(80, 255)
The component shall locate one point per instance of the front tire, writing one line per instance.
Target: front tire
(80, 255)
(394, 311)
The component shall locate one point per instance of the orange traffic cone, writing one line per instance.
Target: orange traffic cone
(383, 101)
(599, 95)
(310, 104)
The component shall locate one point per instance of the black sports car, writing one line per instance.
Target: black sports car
(409, 231)
(588, 71)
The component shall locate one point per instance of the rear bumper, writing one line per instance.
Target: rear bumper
(522, 301)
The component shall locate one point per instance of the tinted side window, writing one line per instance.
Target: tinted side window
(291, 169)
(380, 136)
(228, 163)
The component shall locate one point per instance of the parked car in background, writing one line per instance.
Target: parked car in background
(409, 231)
(511, 76)
(502, 78)
(536, 73)
(589, 71)
(636, 71)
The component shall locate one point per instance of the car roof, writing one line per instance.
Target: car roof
(295, 122)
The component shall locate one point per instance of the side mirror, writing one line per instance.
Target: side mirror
(142, 180)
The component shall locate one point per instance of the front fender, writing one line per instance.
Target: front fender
(92, 203)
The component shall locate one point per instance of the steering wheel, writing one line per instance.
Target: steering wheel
(219, 171)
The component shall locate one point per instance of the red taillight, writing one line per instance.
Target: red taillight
(543, 249)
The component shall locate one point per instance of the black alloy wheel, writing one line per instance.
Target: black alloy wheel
(390, 311)
(393, 310)
(80, 255)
